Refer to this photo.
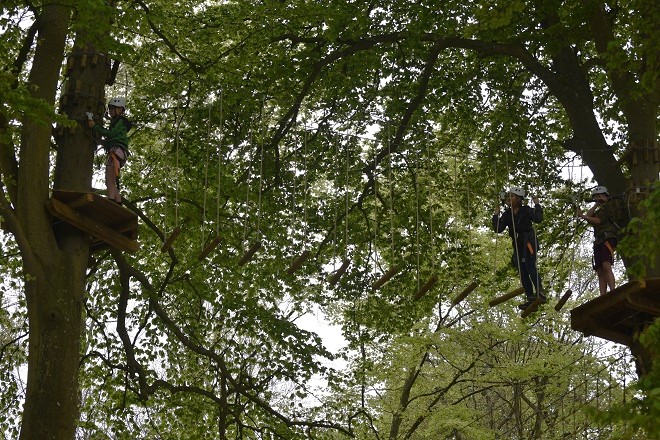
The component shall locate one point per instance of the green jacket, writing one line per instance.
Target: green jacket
(116, 135)
(607, 228)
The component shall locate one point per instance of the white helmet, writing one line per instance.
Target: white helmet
(599, 190)
(119, 101)
(517, 191)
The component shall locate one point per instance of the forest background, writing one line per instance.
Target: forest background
(325, 144)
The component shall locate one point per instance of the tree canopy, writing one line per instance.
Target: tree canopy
(332, 159)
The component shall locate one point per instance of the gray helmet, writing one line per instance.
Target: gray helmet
(118, 101)
(599, 190)
(517, 191)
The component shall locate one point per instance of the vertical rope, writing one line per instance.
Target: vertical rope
(467, 206)
(513, 223)
(176, 166)
(391, 185)
(247, 197)
(417, 214)
(261, 163)
(305, 171)
(206, 172)
(336, 213)
(376, 253)
(455, 222)
(346, 198)
(431, 205)
(222, 138)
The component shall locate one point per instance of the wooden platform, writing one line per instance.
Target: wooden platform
(108, 223)
(617, 315)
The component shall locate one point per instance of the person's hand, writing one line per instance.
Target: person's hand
(535, 199)
(497, 210)
(90, 123)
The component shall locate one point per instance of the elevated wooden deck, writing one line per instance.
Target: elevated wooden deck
(108, 223)
(617, 315)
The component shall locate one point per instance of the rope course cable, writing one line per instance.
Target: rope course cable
(172, 236)
(433, 279)
(212, 244)
(334, 278)
(394, 269)
(256, 245)
(473, 284)
(304, 255)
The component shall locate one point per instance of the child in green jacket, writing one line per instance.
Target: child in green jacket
(115, 144)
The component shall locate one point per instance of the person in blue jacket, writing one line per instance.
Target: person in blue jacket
(115, 144)
(518, 218)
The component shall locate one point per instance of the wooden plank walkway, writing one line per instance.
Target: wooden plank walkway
(617, 315)
(108, 223)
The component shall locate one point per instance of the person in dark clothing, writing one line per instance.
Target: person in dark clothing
(518, 218)
(602, 217)
(115, 144)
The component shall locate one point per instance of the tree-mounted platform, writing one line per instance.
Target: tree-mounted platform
(108, 223)
(617, 315)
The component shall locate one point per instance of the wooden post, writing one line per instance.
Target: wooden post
(506, 297)
(250, 253)
(298, 262)
(170, 239)
(335, 276)
(385, 278)
(461, 296)
(426, 287)
(209, 247)
(563, 300)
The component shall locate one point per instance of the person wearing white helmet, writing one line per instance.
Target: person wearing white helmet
(115, 144)
(601, 216)
(518, 218)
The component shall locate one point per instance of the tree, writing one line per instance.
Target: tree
(259, 113)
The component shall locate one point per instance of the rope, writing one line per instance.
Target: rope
(391, 185)
(178, 171)
(222, 138)
(206, 172)
(346, 215)
(261, 163)
(247, 199)
(305, 225)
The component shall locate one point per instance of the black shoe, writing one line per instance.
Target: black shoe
(526, 304)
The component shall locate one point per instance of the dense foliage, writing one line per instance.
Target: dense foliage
(342, 135)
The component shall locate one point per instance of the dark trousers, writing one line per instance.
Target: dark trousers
(529, 275)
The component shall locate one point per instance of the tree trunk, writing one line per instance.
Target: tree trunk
(54, 280)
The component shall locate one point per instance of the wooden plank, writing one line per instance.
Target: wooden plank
(506, 296)
(461, 296)
(100, 208)
(170, 239)
(297, 264)
(207, 250)
(616, 315)
(644, 304)
(563, 300)
(250, 253)
(426, 287)
(82, 200)
(92, 227)
(385, 277)
(607, 333)
(531, 308)
(608, 300)
(334, 278)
